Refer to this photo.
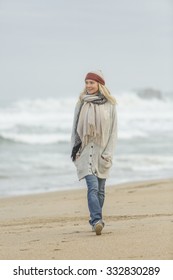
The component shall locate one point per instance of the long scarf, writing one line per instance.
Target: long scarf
(89, 122)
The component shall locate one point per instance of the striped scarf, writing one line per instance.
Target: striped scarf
(89, 122)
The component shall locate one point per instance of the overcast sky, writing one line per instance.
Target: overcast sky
(47, 46)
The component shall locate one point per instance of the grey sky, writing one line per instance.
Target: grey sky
(47, 46)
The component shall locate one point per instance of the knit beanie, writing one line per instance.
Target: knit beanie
(96, 76)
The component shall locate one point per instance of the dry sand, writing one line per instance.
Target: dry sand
(138, 217)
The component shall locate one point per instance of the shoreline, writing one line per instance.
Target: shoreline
(122, 184)
(54, 225)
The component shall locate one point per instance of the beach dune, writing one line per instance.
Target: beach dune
(138, 218)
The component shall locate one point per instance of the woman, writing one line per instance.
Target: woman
(93, 141)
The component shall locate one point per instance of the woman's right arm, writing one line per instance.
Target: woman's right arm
(76, 112)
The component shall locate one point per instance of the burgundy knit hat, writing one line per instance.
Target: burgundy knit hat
(96, 76)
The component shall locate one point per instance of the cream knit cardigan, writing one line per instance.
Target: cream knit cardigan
(93, 158)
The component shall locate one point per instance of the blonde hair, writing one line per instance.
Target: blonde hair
(103, 90)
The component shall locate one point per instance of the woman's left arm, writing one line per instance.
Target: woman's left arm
(110, 147)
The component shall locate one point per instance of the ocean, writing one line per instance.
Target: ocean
(35, 142)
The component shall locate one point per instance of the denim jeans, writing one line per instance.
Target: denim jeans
(95, 195)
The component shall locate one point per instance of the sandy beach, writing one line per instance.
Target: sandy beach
(138, 218)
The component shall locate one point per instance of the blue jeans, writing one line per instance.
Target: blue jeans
(96, 195)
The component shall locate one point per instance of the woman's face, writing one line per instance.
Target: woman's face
(91, 86)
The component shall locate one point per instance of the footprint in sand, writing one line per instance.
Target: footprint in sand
(24, 249)
(36, 240)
